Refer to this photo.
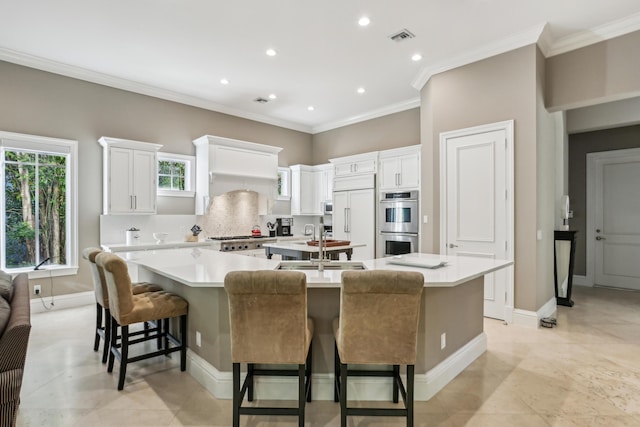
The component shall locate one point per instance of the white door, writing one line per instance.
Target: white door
(615, 232)
(476, 205)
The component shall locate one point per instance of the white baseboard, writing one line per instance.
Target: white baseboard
(532, 318)
(220, 384)
(63, 301)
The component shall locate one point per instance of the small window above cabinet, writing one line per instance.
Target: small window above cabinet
(176, 175)
(399, 168)
(130, 171)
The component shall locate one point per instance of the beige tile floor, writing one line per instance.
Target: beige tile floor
(584, 372)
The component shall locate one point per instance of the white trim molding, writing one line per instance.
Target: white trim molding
(532, 318)
(78, 299)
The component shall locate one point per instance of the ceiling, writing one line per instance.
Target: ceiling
(180, 50)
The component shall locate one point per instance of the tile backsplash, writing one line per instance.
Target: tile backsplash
(232, 214)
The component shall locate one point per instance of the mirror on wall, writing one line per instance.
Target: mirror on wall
(564, 256)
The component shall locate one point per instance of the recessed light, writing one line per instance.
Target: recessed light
(271, 52)
(416, 57)
(364, 21)
(361, 90)
(272, 96)
(310, 108)
(224, 81)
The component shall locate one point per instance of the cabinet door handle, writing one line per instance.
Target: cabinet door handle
(135, 202)
(130, 202)
(348, 222)
(346, 230)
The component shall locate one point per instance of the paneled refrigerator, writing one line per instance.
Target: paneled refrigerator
(354, 214)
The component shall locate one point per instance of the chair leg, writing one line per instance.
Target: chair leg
(250, 369)
(113, 344)
(165, 334)
(107, 335)
(396, 378)
(236, 395)
(343, 395)
(183, 343)
(124, 354)
(96, 341)
(307, 372)
(410, 387)
(301, 394)
(336, 375)
(159, 332)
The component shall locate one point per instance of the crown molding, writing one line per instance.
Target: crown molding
(389, 109)
(595, 35)
(79, 73)
(507, 44)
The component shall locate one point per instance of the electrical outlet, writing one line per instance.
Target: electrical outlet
(37, 289)
(198, 339)
(443, 340)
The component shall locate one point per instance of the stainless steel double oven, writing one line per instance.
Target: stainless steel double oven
(398, 223)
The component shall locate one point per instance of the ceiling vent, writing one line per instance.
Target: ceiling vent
(402, 35)
(261, 100)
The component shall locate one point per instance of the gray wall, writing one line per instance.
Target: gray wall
(383, 133)
(580, 144)
(493, 90)
(41, 103)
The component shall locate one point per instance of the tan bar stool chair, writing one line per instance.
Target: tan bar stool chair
(269, 325)
(378, 325)
(127, 309)
(103, 328)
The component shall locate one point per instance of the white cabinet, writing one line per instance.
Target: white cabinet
(130, 170)
(355, 165)
(304, 190)
(325, 183)
(354, 214)
(311, 188)
(399, 168)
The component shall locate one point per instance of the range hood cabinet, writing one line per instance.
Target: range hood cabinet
(224, 165)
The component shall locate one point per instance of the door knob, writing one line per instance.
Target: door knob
(600, 238)
(451, 245)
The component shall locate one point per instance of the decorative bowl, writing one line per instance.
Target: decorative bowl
(160, 237)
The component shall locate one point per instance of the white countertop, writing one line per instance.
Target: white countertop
(303, 247)
(145, 246)
(204, 267)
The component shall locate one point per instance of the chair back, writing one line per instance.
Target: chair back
(379, 316)
(99, 282)
(268, 316)
(116, 274)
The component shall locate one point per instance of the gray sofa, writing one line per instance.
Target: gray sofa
(15, 325)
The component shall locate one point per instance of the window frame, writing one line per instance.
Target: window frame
(286, 184)
(189, 175)
(18, 141)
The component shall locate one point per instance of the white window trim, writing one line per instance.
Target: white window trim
(287, 184)
(190, 175)
(55, 145)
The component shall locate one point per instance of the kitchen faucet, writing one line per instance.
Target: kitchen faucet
(321, 246)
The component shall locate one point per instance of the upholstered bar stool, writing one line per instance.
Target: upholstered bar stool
(127, 309)
(269, 325)
(103, 328)
(378, 325)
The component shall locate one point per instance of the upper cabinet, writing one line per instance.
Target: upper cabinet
(399, 168)
(355, 165)
(224, 164)
(130, 171)
(311, 188)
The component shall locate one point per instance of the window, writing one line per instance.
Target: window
(38, 203)
(284, 184)
(175, 175)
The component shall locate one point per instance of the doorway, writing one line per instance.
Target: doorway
(613, 209)
(477, 204)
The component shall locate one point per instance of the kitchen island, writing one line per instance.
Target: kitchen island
(304, 251)
(452, 304)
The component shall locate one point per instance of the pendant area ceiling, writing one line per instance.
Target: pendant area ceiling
(182, 50)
